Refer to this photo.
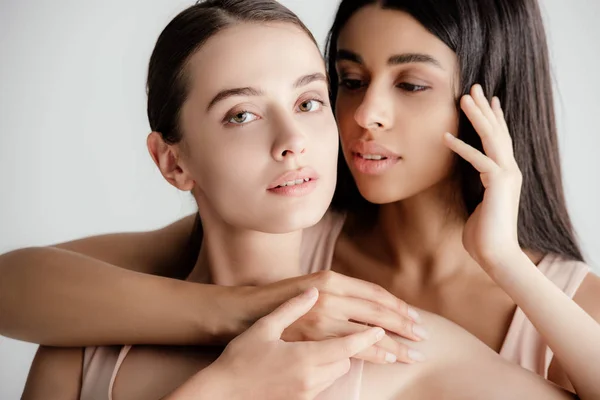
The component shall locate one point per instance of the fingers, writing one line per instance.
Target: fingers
(483, 105)
(389, 351)
(497, 108)
(477, 159)
(333, 350)
(342, 285)
(489, 123)
(483, 126)
(385, 351)
(367, 312)
(273, 325)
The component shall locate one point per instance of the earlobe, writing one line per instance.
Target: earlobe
(167, 159)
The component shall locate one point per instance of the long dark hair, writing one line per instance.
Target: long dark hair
(168, 83)
(500, 44)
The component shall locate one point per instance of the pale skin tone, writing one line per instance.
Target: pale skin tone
(421, 277)
(145, 364)
(280, 125)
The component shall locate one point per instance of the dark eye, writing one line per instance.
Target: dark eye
(409, 87)
(351, 84)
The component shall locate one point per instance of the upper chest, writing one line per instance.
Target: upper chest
(473, 302)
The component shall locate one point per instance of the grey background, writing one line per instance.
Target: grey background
(73, 160)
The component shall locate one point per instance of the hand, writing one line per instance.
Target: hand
(259, 363)
(346, 306)
(491, 231)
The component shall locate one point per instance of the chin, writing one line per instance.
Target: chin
(382, 194)
(293, 221)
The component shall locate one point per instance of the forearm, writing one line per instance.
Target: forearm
(55, 374)
(570, 332)
(60, 298)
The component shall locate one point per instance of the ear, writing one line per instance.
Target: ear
(167, 159)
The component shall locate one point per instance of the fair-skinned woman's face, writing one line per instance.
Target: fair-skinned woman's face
(396, 99)
(259, 137)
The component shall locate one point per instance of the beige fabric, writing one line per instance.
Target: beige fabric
(101, 364)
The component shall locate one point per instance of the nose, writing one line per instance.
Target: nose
(375, 113)
(290, 141)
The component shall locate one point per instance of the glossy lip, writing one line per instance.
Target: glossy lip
(372, 167)
(301, 173)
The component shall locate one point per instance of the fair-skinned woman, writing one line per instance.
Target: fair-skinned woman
(435, 240)
(257, 148)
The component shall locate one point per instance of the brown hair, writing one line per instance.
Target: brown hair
(167, 84)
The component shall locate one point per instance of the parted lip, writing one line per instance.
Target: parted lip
(362, 147)
(297, 174)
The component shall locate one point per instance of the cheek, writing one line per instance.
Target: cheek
(428, 156)
(225, 164)
(324, 146)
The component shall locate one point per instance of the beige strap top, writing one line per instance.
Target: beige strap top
(523, 345)
(101, 364)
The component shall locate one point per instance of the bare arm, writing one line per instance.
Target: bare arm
(490, 236)
(49, 295)
(55, 374)
(571, 332)
(587, 298)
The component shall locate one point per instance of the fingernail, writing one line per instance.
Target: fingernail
(390, 358)
(412, 313)
(416, 355)
(448, 136)
(379, 333)
(420, 332)
(311, 293)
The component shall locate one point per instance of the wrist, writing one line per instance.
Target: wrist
(506, 267)
(219, 313)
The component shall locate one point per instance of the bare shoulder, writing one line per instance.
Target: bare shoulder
(166, 251)
(55, 374)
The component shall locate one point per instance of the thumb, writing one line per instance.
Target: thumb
(273, 324)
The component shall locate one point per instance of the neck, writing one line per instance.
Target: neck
(422, 235)
(232, 256)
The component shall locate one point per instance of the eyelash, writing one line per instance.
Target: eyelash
(230, 116)
(347, 84)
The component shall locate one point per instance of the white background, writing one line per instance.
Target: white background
(73, 160)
